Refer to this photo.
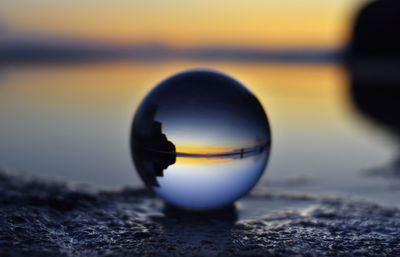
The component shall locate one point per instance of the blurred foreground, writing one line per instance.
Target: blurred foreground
(45, 219)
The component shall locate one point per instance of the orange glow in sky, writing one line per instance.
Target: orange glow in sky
(202, 149)
(278, 23)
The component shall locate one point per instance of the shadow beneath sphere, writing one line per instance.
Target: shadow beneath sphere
(184, 228)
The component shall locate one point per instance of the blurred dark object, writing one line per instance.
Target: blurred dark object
(376, 32)
(374, 62)
(374, 68)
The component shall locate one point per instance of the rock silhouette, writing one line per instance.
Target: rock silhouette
(374, 63)
(152, 152)
(374, 69)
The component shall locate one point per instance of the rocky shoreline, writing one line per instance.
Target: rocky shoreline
(42, 218)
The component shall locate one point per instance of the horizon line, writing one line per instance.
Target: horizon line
(21, 51)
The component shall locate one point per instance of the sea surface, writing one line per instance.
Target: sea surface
(72, 122)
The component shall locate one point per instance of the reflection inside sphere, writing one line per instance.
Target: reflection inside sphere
(200, 140)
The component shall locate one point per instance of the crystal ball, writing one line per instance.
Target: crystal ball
(200, 140)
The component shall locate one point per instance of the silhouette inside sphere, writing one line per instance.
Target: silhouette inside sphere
(152, 152)
(200, 140)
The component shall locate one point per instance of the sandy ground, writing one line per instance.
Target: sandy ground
(42, 218)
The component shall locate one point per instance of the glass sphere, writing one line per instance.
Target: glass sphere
(200, 140)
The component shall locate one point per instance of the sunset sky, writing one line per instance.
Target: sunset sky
(178, 23)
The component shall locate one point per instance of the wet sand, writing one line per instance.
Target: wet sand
(44, 218)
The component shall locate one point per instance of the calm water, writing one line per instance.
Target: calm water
(72, 122)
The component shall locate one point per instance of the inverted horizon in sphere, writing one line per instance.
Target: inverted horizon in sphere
(200, 107)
